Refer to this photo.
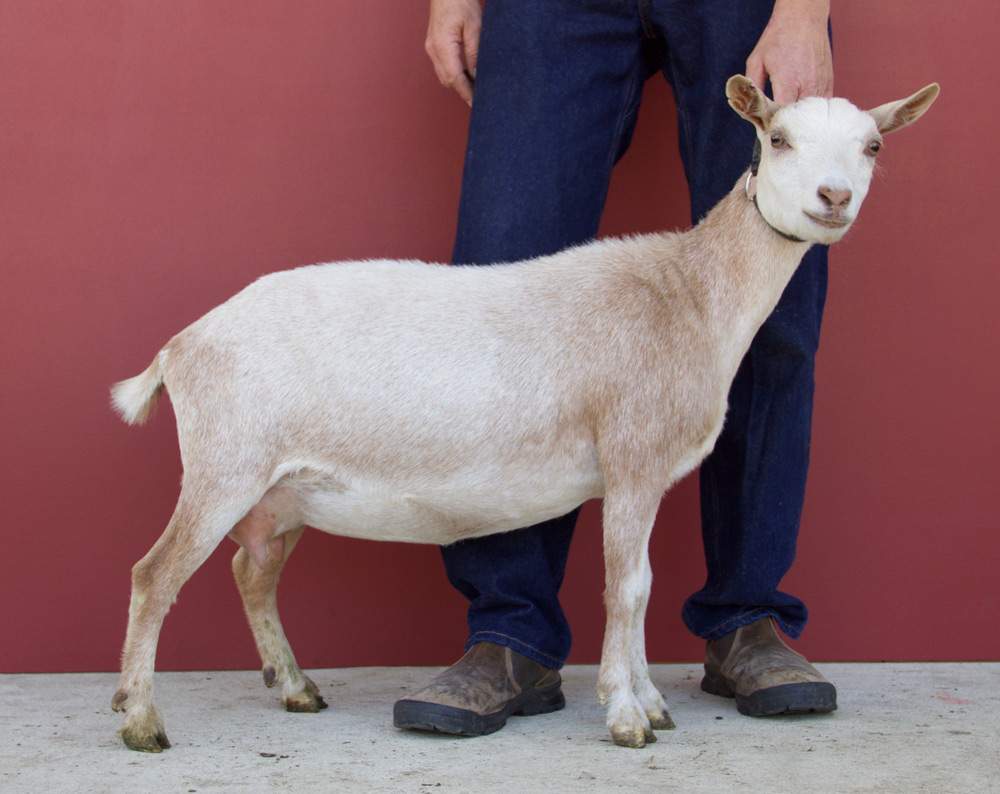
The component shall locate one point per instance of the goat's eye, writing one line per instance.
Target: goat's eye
(874, 148)
(777, 141)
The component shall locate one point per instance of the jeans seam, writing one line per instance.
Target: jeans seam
(685, 135)
(635, 78)
(644, 7)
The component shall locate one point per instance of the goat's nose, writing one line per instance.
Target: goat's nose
(833, 197)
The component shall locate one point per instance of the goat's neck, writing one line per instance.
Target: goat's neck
(738, 266)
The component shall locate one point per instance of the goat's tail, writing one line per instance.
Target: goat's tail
(135, 398)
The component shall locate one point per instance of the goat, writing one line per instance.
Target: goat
(397, 400)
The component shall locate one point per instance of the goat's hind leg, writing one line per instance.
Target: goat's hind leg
(188, 540)
(258, 589)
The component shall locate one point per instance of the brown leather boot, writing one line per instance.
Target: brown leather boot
(765, 676)
(475, 695)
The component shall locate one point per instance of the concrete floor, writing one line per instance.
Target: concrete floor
(906, 728)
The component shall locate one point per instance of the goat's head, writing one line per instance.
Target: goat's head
(817, 156)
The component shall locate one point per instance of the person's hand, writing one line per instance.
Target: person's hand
(453, 43)
(794, 52)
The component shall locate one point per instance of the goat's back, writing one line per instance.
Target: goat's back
(384, 343)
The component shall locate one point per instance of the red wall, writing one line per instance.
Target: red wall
(155, 158)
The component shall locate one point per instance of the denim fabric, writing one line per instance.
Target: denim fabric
(558, 87)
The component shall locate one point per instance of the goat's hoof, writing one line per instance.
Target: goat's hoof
(308, 701)
(637, 737)
(661, 721)
(305, 703)
(145, 741)
(143, 726)
(144, 735)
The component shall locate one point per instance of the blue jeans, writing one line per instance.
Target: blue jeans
(558, 87)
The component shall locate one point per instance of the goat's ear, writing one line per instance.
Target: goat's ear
(747, 100)
(893, 115)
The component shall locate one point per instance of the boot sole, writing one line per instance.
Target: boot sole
(815, 697)
(420, 716)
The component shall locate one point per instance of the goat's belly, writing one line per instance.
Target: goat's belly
(445, 513)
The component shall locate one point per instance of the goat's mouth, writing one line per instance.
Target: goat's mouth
(830, 221)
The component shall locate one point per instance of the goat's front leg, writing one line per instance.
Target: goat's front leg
(258, 588)
(634, 706)
(646, 693)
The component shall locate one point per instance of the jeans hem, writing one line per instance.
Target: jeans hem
(745, 619)
(523, 648)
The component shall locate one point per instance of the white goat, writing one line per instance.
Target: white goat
(413, 402)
